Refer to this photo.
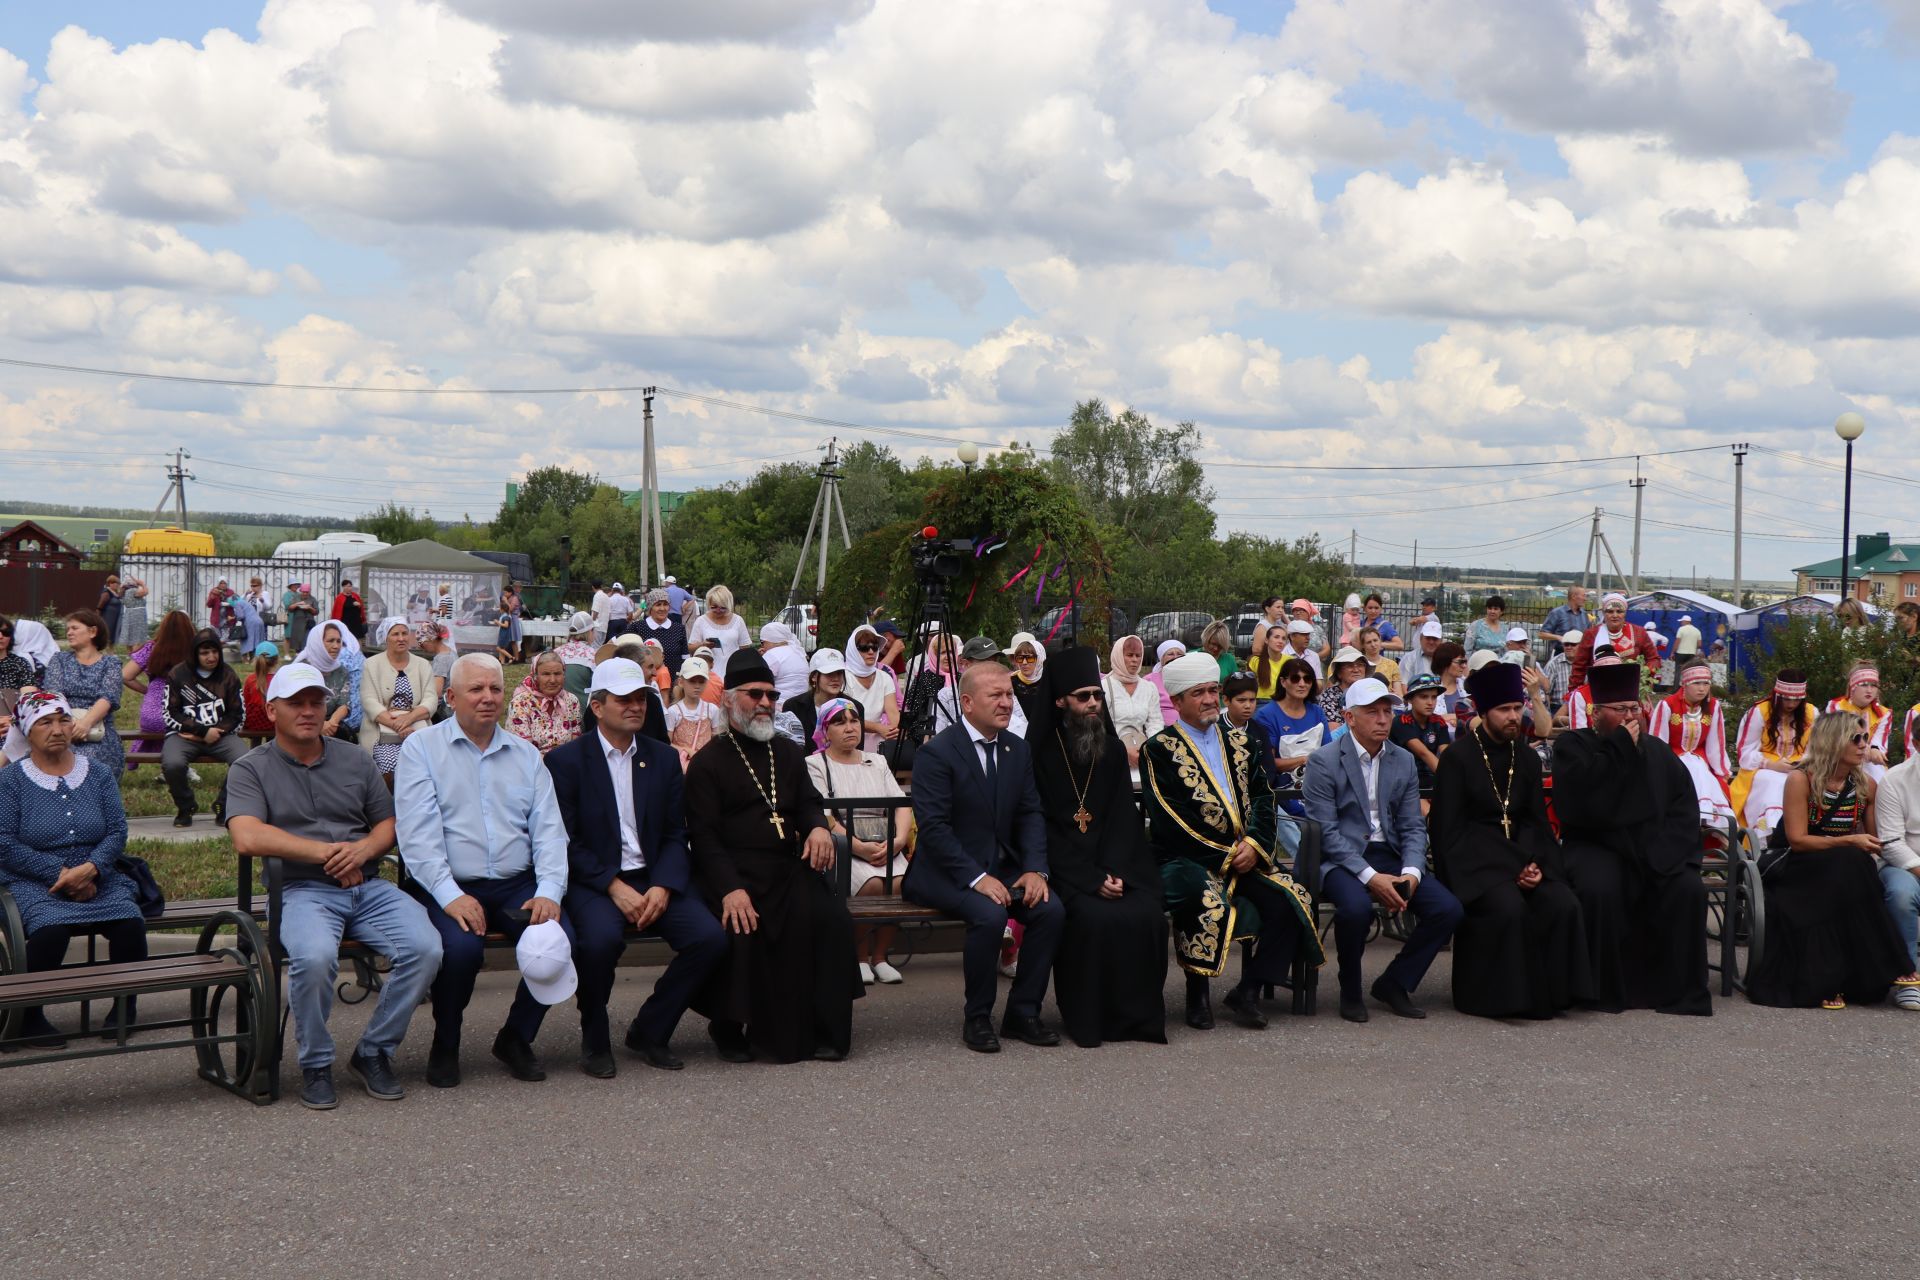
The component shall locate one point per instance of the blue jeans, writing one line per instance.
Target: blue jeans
(1903, 904)
(314, 915)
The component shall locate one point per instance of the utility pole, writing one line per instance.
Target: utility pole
(177, 477)
(1639, 489)
(652, 540)
(826, 505)
(1739, 475)
(1415, 582)
(1353, 551)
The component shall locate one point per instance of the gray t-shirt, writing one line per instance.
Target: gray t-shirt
(443, 670)
(339, 797)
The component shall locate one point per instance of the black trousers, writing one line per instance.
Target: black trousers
(980, 956)
(599, 938)
(463, 954)
(47, 945)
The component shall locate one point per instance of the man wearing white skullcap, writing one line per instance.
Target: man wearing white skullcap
(1209, 810)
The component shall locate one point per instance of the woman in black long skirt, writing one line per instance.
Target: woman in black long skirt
(1829, 938)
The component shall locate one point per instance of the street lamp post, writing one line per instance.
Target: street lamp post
(1848, 426)
(968, 453)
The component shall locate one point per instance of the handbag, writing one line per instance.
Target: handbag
(1777, 848)
(146, 889)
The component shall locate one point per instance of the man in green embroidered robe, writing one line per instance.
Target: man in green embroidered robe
(1211, 816)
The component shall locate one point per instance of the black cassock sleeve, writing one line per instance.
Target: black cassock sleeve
(707, 803)
(1599, 783)
(1673, 842)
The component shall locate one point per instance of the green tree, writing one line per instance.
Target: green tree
(1135, 478)
(396, 524)
(606, 535)
(541, 511)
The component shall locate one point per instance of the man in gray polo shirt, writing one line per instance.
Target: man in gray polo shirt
(320, 805)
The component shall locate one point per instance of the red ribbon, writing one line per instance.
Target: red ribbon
(1061, 621)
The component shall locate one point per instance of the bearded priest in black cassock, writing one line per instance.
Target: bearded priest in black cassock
(760, 842)
(1110, 972)
(1630, 825)
(1521, 951)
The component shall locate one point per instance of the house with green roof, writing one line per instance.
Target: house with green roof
(1881, 570)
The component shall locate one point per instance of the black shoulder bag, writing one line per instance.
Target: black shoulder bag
(1777, 848)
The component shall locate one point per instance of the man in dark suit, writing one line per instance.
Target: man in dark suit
(982, 855)
(1365, 793)
(619, 793)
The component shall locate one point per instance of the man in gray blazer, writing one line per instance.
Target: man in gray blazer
(1365, 793)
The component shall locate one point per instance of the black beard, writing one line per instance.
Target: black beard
(1086, 738)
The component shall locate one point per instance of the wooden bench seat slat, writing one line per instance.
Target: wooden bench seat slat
(174, 973)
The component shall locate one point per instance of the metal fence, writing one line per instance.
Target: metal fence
(182, 582)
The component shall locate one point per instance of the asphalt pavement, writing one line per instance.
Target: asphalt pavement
(1756, 1143)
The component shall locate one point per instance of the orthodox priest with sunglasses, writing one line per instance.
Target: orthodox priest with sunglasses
(1521, 951)
(1630, 825)
(1212, 820)
(1110, 971)
(760, 847)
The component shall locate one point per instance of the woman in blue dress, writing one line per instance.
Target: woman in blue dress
(62, 832)
(88, 676)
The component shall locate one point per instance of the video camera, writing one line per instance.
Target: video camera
(935, 557)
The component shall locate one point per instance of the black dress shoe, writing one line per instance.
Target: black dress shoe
(1390, 995)
(184, 818)
(731, 1040)
(1029, 1031)
(518, 1056)
(657, 1055)
(1245, 1008)
(1353, 1009)
(598, 1063)
(376, 1073)
(978, 1035)
(316, 1089)
(443, 1066)
(827, 1053)
(38, 1032)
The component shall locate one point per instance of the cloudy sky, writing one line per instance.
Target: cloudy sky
(1373, 234)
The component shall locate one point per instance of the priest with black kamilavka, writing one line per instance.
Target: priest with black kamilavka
(1630, 828)
(1211, 818)
(760, 844)
(1521, 951)
(1110, 971)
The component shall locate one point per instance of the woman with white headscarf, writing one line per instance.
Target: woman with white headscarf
(785, 659)
(1029, 658)
(396, 693)
(331, 651)
(32, 641)
(872, 686)
(1132, 699)
(1169, 651)
(1628, 640)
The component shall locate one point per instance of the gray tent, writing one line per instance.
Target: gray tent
(406, 580)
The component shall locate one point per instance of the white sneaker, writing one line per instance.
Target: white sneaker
(887, 973)
(1907, 998)
(866, 973)
(1011, 969)
(193, 774)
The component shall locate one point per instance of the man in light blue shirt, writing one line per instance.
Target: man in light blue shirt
(482, 837)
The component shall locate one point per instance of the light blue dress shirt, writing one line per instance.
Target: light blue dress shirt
(468, 814)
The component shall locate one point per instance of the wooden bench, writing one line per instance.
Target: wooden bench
(136, 758)
(233, 1012)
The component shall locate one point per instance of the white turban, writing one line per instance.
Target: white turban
(1189, 672)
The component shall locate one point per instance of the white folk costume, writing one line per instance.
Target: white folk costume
(1758, 791)
(1698, 736)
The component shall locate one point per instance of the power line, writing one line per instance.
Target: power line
(1399, 512)
(1455, 466)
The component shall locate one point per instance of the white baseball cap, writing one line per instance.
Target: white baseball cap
(696, 669)
(1347, 653)
(1516, 635)
(1299, 627)
(619, 676)
(292, 678)
(1573, 637)
(827, 662)
(1686, 617)
(1432, 627)
(546, 962)
(580, 623)
(1364, 693)
(672, 581)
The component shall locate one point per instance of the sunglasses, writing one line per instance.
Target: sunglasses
(867, 647)
(1085, 695)
(1299, 679)
(759, 695)
(1858, 739)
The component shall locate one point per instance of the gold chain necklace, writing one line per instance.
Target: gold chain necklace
(1506, 821)
(1080, 814)
(769, 793)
